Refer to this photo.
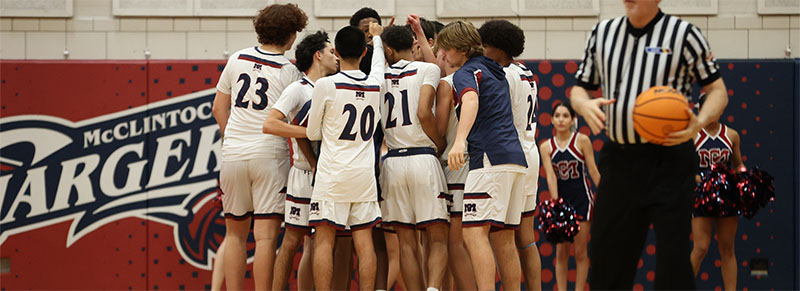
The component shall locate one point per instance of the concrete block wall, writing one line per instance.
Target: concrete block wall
(737, 32)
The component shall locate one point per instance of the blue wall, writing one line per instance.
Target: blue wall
(764, 108)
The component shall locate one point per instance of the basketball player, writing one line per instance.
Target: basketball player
(502, 42)
(644, 183)
(497, 162)
(315, 56)
(718, 144)
(254, 166)
(565, 157)
(361, 20)
(460, 266)
(345, 111)
(411, 179)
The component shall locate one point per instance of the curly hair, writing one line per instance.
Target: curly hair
(461, 36)
(276, 23)
(503, 35)
(310, 45)
(397, 37)
(362, 13)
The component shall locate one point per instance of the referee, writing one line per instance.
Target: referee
(644, 183)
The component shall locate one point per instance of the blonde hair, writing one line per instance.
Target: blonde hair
(461, 36)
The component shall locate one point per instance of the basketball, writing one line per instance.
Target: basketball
(658, 112)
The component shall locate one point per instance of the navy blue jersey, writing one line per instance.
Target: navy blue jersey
(569, 165)
(713, 148)
(493, 132)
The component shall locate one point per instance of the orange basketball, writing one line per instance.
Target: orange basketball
(658, 112)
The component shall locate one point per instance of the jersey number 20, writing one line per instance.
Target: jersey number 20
(367, 123)
(261, 92)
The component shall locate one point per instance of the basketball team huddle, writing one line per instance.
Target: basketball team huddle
(420, 140)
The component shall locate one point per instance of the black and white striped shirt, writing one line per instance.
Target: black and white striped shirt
(626, 61)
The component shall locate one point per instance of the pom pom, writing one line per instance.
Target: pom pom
(716, 193)
(558, 221)
(755, 189)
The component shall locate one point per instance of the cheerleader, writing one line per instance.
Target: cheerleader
(564, 158)
(717, 144)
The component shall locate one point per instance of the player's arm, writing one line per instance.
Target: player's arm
(469, 111)
(317, 111)
(585, 144)
(427, 52)
(222, 110)
(736, 158)
(275, 125)
(550, 174)
(426, 118)
(305, 147)
(444, 102)
(378, 65)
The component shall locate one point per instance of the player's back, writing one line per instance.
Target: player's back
(404, 81)
(255, 80)
(522, 89)
(350, 115)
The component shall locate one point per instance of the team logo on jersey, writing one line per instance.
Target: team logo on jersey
(658, 50)
(157, 162)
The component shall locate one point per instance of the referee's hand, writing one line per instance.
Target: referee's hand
(679, 137)
(592, 112)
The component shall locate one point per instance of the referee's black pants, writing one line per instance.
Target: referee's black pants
(643, 184)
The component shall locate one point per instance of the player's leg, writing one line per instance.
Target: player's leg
(581, 255)
(269, 178)
(505, 250)
(409, 262)
(266, 232)
(305, 276)
(480, 252)
(363, 216)
(324, 237)
(342, 261)
(238, 208)
(382, 259)
(218, 274)
(701, 238)
(284, 262)
(437, 257)
(393, 256)
(526, 244)
(458, 257)
(726, 232)
(236, 251)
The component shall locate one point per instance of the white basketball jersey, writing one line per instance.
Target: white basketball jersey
(452, 123)
(295, 103)
(400, 121)
(523, 89)
(345, 111)
(255, 80)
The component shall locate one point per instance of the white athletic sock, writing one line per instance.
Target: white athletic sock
(432, 289)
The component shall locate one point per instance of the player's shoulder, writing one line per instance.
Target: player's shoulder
(544, 146)
(424, 65)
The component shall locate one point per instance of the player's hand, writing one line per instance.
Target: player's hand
(679, 137)
(593, 113)
(375, 29)
(414, 22)
(455, 159)
(391, 22)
